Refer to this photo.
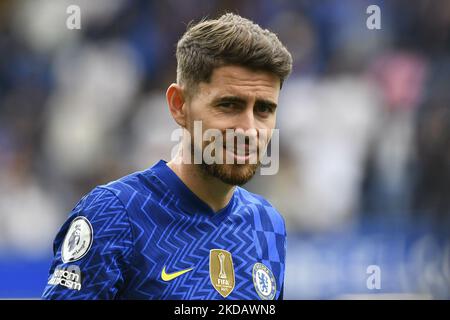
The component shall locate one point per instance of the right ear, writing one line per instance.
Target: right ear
(176, 100)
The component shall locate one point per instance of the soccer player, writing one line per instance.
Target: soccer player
(180, 229)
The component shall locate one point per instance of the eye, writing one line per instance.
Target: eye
(227, 105)
(263, 108)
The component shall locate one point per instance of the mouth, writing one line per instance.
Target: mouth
(243, 154)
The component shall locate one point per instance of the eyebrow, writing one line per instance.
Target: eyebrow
(239, 100)
(265, 102)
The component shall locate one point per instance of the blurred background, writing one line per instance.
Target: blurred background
(364, 123)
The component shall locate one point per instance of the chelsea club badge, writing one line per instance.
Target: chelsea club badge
(264, 281)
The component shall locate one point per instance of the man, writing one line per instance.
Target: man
(185, 230)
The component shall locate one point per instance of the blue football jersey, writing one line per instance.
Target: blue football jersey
(148, 236)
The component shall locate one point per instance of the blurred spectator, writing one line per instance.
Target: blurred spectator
(328, 126)
(29, 214)
(432, 192)
(400, 77)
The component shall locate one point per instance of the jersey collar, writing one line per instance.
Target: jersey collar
(187, 199)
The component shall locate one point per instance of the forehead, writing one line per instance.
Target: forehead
(242, 82)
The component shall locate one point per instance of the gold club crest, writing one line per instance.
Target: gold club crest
(221, 271)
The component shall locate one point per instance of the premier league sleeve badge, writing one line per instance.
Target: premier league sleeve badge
(78, 240)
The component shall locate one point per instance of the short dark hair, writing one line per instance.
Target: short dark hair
(228, 40)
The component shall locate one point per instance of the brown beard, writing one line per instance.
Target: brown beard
(232, 174)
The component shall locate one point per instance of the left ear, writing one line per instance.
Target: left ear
(176, 101)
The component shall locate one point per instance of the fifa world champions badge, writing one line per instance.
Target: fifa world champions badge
(264, 282)
(221, 271)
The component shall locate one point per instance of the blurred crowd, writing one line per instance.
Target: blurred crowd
(364, 118)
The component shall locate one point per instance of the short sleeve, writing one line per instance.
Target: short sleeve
(92, 250)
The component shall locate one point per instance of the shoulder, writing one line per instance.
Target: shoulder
(96, 242)
(127, 186)
(103, 210)
(97, 225)
(109, 202)
(99, 201)
(117, 201)
(267, 216)
(134, 189)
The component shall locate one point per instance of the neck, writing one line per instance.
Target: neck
(209, 189)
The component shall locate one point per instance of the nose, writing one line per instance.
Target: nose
(246, 128)
(246, 120)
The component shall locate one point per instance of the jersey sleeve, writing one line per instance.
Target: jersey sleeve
(283, 272)
(280, 297)
(92, 250)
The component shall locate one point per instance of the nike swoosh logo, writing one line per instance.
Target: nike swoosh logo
(170, 276)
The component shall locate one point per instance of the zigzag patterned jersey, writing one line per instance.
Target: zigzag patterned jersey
(147, 236)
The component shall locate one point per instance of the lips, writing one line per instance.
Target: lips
(245, 148)
(243, 157)
(245, 145)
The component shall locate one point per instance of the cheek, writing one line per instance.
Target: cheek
(194, 113)
(268, 124)
(198, 111)
(266, 130)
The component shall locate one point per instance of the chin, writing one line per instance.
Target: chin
(232, 174)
